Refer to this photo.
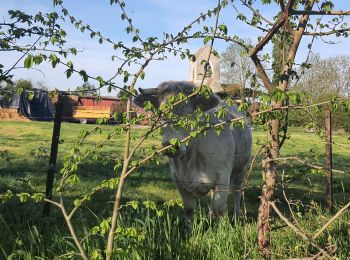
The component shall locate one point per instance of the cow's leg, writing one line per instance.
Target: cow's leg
(189, 207)
(237, 181)
(237, 200)
(218, 201)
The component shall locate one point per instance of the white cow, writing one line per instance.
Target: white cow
(210, 162)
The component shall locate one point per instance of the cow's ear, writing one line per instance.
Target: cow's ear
(141, 99)
(205, 103)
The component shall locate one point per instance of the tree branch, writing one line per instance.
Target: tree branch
(256, 12)
(327, 33)
(262, 73)
(310, 12)
(72, 232)
(341, 211)
(318, 167)
(282, 20)
(297, 231)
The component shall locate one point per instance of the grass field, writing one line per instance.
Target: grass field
(24, 149)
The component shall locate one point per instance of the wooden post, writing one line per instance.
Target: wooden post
(53, 154)
(329, 175)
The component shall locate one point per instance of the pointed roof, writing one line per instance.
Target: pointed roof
(201, 49)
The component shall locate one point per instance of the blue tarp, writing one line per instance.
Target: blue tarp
(39, 108)
(10, 101)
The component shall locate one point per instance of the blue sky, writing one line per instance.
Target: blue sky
(152, 17)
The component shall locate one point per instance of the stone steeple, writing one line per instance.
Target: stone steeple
(197, 69)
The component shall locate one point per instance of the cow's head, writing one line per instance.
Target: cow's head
(161, 94)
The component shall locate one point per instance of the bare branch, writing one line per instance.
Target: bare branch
(340, 212)
(53, 203)
(262, 73)
(297, 231)
(256, 12)
(327, 33)
(318, 167)
(72, 232)
(310, 12)
(282, 20)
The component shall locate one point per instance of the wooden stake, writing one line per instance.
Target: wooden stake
(53, 155)
(329, 175)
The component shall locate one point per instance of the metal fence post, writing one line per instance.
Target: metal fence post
(329, 175)
(53, 154)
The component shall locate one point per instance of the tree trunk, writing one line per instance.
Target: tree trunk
(269, 174)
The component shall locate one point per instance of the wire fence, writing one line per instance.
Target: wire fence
(71, 141)
(37, 139)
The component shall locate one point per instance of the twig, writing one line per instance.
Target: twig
(297, 231)
(72, 232)
(256, 12)
(306, 12)
(340, 212)
(318, 167)
(252, 163)
(289, 207)
(70, 226)
(23, 55)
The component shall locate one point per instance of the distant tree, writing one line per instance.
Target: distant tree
(87, 89)
(325, 77)
(236, 66)
(19, 85)
(24, 84)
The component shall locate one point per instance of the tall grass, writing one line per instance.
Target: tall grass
(147, 235)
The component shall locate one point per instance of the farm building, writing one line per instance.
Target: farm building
(89, 108)
(41, 107)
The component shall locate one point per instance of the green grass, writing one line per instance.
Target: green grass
(25, 235)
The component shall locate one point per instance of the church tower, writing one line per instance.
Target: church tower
(199, 66)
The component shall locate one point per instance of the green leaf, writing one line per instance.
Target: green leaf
(174, 141)
(38, 197)
(142, 75)
(150, 205)
(54, 60)
(223, 28)
(207, 39)
(6, 196)
(23, 197)
(134, 204)
(77, 202)
(28, 62)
